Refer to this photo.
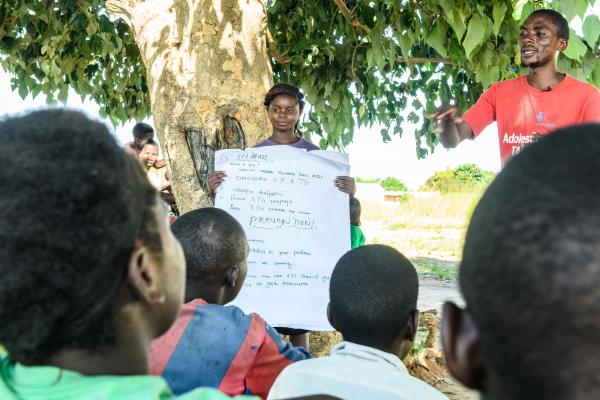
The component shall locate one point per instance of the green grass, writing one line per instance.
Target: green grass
(441, 272)
(427, 225)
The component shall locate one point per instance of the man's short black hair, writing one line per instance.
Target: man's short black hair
(372, 291)
(530, 272)
(142, 130)
(69, 222)
(557, 18)
(212, 240)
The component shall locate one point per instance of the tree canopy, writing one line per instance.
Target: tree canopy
(359, 62)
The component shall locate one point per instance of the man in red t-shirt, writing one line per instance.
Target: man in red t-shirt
(532, 104)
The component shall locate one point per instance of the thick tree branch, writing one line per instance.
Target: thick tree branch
(122, 9)
(420, 60)
(342, 6)
(273, 47)
(345, 11)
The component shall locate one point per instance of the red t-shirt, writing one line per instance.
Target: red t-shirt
(522, 110)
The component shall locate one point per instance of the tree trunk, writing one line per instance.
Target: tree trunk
(207, 71)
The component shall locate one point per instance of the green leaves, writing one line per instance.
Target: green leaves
(437, 38)
(591, 29)
(596, 75)
(498, 14)
(455, 16)
(476, 34)
(54, 46)
(576, 49)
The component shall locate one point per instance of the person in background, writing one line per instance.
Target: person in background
(373, 304)
(357, 238)
(159, 177)
(530, 275)
(141, 132)
(210, 344)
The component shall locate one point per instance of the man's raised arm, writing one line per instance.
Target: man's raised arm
(450, 126)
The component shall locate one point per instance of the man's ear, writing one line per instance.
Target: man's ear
(563, 44)
(412, 325)
(232, 276)
(142, 274)
(330, 317)
(460, 341)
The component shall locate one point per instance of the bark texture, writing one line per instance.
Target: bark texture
(207, 71)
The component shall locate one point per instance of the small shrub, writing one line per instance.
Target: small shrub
(391, 184)
(358, 179)
(466, 177)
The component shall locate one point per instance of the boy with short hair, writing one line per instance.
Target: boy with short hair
(373, 299)
(211, 344)
(530, 276)
(142, 133)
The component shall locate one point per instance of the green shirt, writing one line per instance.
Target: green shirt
(18, 382)
(357, 238)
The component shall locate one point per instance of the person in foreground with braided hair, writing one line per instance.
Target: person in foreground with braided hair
(90, 272)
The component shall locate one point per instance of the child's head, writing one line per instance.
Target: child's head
(216, 252)
(373, 298)
(142, 133)
(86, 255)
(354, 211)
(530, 276)
(149, 153)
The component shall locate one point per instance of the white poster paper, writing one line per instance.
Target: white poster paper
(298, 226)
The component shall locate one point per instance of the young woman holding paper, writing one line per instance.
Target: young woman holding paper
(285, 104)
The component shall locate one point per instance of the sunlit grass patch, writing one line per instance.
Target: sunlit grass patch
(431, 225)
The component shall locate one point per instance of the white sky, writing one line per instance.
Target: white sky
(369, 156)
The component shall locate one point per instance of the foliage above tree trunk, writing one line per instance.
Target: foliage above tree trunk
(360, 62)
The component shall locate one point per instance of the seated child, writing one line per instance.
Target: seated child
(530, 276)
(89, 270)
(357, 238)
(211, 344)
(373, 299)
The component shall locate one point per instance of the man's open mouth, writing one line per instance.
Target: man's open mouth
(528, 51)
